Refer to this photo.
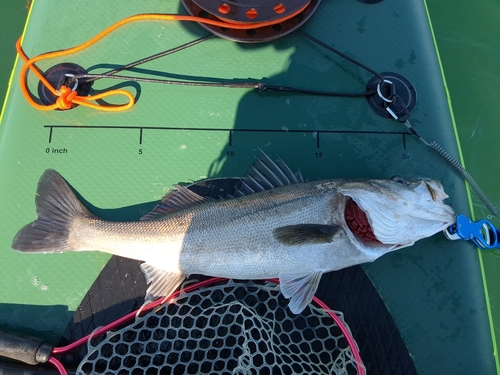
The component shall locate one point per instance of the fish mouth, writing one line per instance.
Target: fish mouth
(358, 223)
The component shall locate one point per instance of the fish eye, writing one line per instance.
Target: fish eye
(399, 180)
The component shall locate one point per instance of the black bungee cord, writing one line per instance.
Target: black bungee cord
(263, 87)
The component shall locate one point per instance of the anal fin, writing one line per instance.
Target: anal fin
(300, 288)
(162, 283)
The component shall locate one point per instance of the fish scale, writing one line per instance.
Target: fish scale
(249, 235)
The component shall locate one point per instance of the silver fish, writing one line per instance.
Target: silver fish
(275, 226)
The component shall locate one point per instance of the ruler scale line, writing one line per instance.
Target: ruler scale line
(141, 128)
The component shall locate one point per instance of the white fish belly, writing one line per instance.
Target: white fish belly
(154, 242)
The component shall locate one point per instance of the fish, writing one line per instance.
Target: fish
(274, 225)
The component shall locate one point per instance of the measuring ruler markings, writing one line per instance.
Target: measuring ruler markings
(230, 132)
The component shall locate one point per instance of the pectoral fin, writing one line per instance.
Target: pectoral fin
(299, 287)
(161, 283)
(304, 234)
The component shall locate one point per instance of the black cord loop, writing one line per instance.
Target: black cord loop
(261, 86)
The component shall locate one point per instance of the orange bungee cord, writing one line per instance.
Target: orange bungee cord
(68, 97)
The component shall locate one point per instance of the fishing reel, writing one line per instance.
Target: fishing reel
(281, 17)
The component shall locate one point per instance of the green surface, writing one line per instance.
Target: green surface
(433, 290)
(12, 19)
(467, 37)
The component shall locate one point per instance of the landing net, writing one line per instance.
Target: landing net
(233, 327)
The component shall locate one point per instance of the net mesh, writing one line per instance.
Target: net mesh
(234, 327)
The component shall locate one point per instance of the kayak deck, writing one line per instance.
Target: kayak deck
(174, 133)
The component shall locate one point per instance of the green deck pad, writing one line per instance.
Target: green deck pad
(120, 163)
(474, 90)
(12, 20)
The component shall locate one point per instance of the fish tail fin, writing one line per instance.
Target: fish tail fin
(57, 206)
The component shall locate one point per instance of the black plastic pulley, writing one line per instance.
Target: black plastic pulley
(394, 98)
(62, 74)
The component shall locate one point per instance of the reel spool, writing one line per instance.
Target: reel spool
(288, 14)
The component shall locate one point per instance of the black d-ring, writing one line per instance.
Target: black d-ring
(396, 84)
(57, 76)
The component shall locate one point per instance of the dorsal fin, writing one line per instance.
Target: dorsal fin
(267, 174)
(176, 200)
(264, 175)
